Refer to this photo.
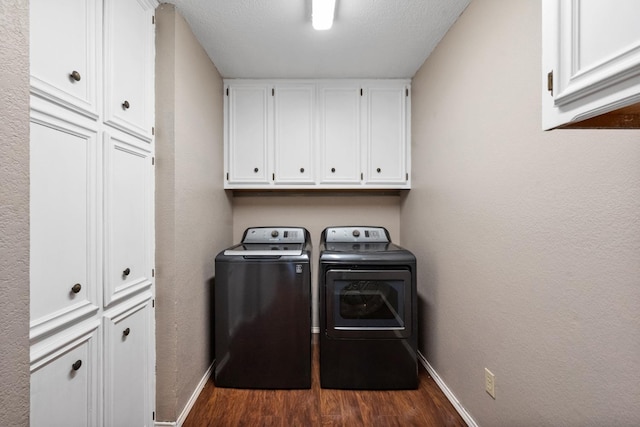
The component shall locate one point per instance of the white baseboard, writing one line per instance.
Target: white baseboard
(190, 402)
(447, 392)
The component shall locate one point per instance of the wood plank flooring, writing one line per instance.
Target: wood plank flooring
(426, 406)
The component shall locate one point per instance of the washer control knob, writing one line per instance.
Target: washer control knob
(356, 233)
(274, 233)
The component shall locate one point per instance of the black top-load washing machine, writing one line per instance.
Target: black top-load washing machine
(368, 311)
(263, 310)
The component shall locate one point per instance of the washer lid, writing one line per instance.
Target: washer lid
(265, 249)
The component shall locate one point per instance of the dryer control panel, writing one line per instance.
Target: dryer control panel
(357, 234)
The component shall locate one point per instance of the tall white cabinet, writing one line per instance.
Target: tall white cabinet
(590, 61)
(92, 184)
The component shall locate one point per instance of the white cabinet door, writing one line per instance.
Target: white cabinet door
(128, 65)
(591, 58)
(63, 206)
(340, 133)
(294, 114)
(129, 365)
(63, 44)
(128, 217)
(248, 134)
(65, 382)
(386, 134)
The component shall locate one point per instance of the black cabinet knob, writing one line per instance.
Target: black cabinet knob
(126, 272)
(75, 75)
(77, 365)
(256, 170)
(126, 332)
(76, 288)
(333, 170)
(125, 105)
(301, 170)
(378, 170)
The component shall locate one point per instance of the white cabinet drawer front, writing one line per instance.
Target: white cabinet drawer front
(340, 134)
(64, 384)
(294, 133)
(64, 170)
(386, 135)
(128, 218)
(129, 366)
(128, 66)
(63, 44)
(248, 133)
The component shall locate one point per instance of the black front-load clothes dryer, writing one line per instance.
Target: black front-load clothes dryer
(368, 311)
(263, 310)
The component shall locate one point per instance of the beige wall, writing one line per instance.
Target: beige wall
(193, 212)
(14, 213)
(315, 213)
(528, 242)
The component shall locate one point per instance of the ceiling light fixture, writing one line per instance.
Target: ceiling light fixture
(322, 14)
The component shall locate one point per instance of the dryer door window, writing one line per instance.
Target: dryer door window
(368, 303)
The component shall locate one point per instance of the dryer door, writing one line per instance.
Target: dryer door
(368, 303)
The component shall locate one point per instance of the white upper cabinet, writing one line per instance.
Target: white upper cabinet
(294, 115)
(128, 65)
(67, 76)
(339, 133)
(317, 134)
(590, 59)
(247, 129)
(385, 134)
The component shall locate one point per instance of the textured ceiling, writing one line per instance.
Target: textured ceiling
(275, 39)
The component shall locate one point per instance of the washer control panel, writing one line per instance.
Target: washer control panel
(357, 234)
(273, 234)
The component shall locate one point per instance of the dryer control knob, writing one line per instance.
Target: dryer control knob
(274, 233)
(356, 233)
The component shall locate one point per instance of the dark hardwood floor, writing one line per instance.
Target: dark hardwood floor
(426, 406)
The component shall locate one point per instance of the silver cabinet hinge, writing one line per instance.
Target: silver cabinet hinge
(153, 130)
(550, 82)
(153, 161)
(153, 19)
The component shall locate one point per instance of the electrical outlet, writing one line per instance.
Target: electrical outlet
(490, 382)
